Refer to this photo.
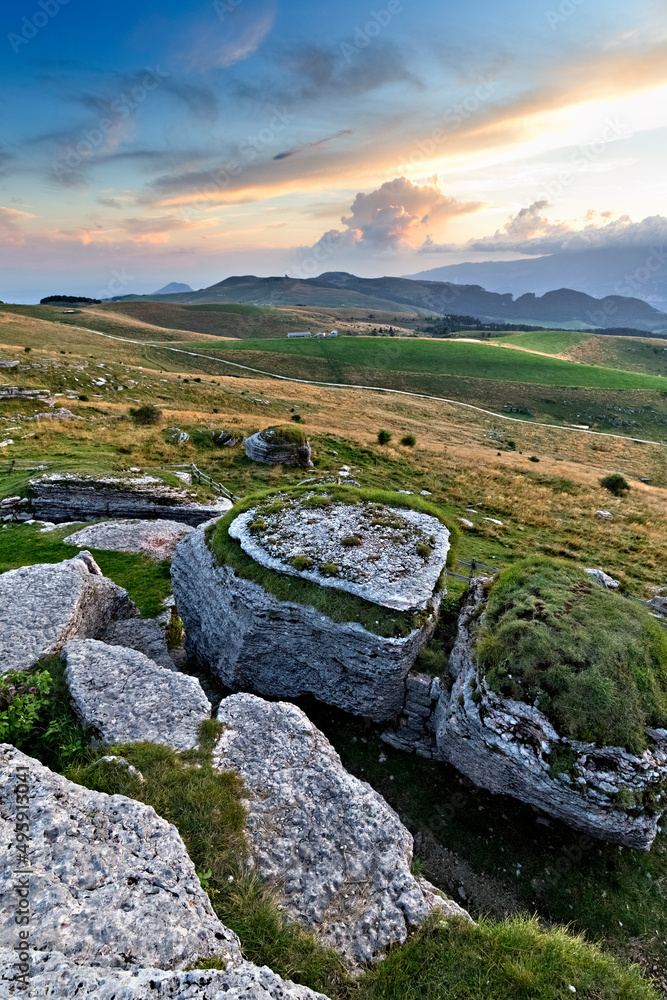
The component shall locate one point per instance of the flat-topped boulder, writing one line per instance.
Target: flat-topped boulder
(62, 496)
(128, 698)
(157, 538)
(282, 445)
(147, 635)
(45, 605)
(517, 721)
(112, 884)
(327, 590)
(338, 854)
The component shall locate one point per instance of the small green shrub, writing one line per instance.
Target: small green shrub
(22, 696)
(384, 437)
(302, 562)
(174, 631)
(27, 350)
(257, 526)
(409, 440)
(424, 550)
(533, 458)
(146, 415)
(296, 417)
(329, 569)
(84, 398)
(351, 541)
(616, 484)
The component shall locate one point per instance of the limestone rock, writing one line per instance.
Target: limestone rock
(113, 886)
(254, 642)
(143, 634)
(67, 497)
(45, 605)
(270, 448)
(337, 852)
(504, 745)
(659, 603)
(129, 698)
(55, 976)
(603, 579)
(157, 539)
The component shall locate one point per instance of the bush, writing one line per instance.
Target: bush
(595, 663)
(27, 350)
(145, 415)
(533, 458)
(296, 418)
(409, 440)
(616, 484)
(21, 699)
(384, 437)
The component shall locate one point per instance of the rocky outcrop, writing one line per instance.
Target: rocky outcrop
(510, 747)
(45, 605)
(111, 886)
(66, 497)
(128, 698)
(603, 578)
(255, 642)
(143, 634)
(338, 854)
(54, 976)
(157, 539)
(271, 448)
(415, 728)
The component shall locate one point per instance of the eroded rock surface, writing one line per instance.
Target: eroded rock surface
(146, 635)
(504, 746)
(270, 448)
(129, 698)
(338, 853)
(113, 886)
(157, 539)
(55, 976)
(254, 642)
(45, 605)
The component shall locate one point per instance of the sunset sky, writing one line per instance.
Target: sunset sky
(145, 142)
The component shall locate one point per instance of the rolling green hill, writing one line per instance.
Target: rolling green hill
(547, 341)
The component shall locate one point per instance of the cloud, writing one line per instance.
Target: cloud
(312, 145)
(10, 228)
(158, 230)
(226, 41)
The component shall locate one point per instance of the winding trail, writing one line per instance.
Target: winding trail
(369, 388)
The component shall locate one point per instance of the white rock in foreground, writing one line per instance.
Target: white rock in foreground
(113, 885)
(53, 976)
(337, 852)
(157, 539)
(129, 698)
(45, 605)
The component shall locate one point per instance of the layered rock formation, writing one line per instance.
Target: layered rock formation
(112, 884)
(45, 605)
(337, 852)
(66, 497)
(256, 642)
(157, 539)
(274, 446)
(511, 748)
(143, 634)
(128, 698)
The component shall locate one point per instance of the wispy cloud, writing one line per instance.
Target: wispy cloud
(312, 145)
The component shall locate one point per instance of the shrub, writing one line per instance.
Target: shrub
(424, 549)
(302, 562)
(595, 663)
(84, 398)
(27, 350)
(384, 437)
(145, 415)
(174, 631)
(616, 484)
(409, 440)
(296, 418)
(350, 541)
(329, 569)
(21, 698)
(533, 458)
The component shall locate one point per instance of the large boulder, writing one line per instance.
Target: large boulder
(157, 539)
(285, 445)
(147, 635)
(257, 641)
(338, 854)
(52, 975)
(509, 747)
(63, 496)
(45, 605)
(128, 698)
(111, 884)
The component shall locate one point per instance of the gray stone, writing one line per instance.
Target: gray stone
(67, 497)
(112, 884)
(45, 605)
(268, 447)
(143, 634)
(254, 642)
(55, 976)
(603, 579)
(659, 603)
(503, 745)
(157, 538)
(129, 698)
(383, 565)
(338, 854)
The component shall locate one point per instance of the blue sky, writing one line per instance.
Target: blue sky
(191, 141)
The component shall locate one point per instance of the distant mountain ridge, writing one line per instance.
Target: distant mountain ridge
(173, 288)
(564, 307)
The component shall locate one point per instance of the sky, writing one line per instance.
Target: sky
(146, 142)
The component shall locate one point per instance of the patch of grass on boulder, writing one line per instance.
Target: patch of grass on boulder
(595, 662)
